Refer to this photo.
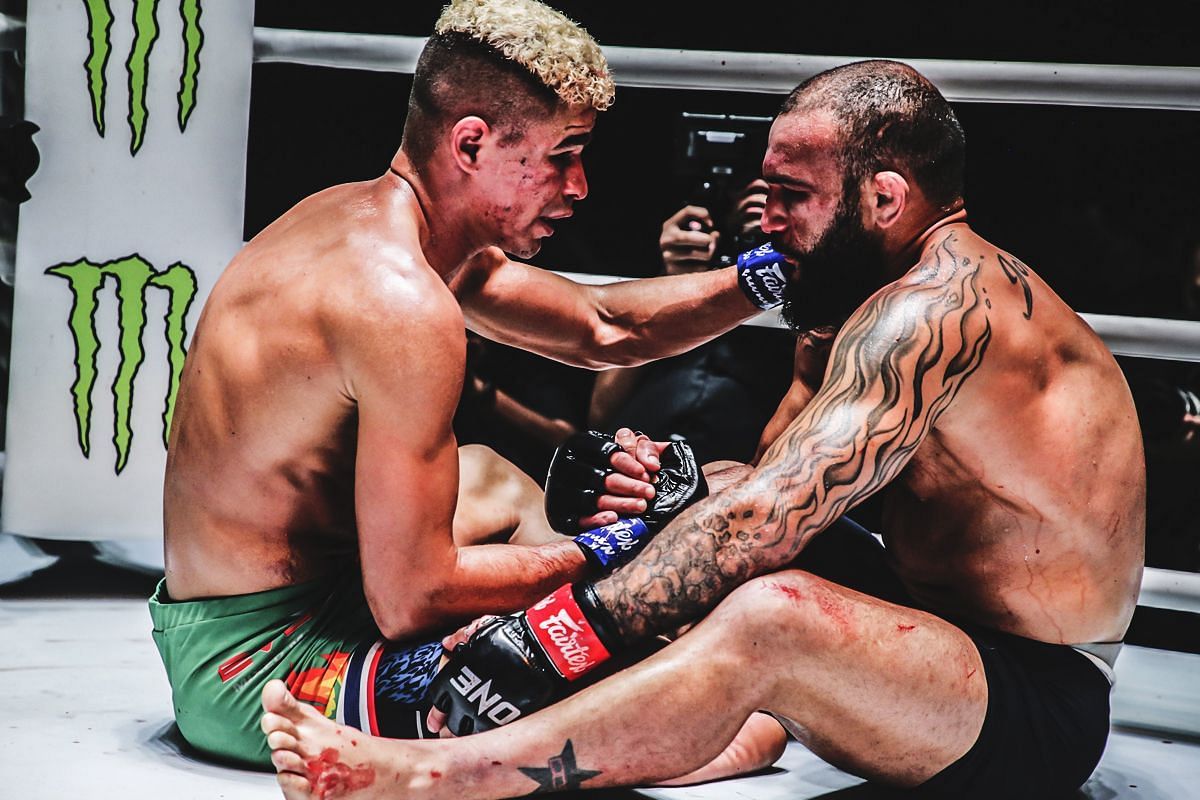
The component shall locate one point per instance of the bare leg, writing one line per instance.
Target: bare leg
(308, 751)
(758, 745)
(886, 692)
(497, 502)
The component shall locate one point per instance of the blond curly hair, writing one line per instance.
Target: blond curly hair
(560, 53)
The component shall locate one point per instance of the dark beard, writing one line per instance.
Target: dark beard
(836, 276)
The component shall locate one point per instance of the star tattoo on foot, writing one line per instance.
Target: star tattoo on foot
(559, 773)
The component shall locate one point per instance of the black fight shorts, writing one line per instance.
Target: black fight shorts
(1046, 724)
(1047, 719)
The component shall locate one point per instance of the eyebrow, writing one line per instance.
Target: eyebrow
(783, 180)
(575, 140)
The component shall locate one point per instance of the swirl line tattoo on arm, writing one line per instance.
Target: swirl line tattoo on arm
(897, 364)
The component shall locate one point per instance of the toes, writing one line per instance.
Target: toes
(282, 740)
(287, 761)
(276, 698)
(271, 722)
(295, 787)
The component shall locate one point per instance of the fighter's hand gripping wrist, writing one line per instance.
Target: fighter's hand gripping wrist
(763, 275)
(679, 483)
(516, 664)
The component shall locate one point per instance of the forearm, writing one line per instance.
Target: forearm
(654, 318)
(481, 579)
(699, 558)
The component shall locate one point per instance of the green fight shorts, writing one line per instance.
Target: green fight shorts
(319, 638)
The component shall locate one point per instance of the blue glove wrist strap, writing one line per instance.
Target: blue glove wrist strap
(610, 546)
(762, 276)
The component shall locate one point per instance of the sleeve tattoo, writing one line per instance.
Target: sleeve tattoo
(897, 364)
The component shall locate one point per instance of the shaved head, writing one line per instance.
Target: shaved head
(889, 118)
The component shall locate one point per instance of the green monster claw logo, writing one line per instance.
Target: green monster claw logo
(133, 276)
(137, 66)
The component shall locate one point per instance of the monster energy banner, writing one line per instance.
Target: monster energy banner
(137, 206)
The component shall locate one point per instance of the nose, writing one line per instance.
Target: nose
(576, 186)
(773, 218)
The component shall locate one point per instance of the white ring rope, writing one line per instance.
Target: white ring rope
(1170, 589)
(1101, 85)
(1147, 337)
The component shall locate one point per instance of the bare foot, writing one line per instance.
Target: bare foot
(315, 757)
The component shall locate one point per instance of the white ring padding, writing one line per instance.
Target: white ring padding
(1142, 337)
(1170, 589)
(1101, 85)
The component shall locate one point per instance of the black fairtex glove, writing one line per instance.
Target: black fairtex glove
(516, 664)
(679, 482)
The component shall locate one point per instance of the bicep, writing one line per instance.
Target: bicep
(527, 307)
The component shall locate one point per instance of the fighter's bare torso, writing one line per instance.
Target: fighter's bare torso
(1024, 507)
(260, 481)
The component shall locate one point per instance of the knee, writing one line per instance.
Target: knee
(485, 474)
(477, 458)
(795, 604)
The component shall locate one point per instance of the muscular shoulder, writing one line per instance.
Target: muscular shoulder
(392, 314)
(389, 293)
(944, 288)
(929, 326)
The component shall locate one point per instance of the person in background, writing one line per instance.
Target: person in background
(720, 395)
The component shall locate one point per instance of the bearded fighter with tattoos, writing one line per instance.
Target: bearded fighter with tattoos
(970, 656)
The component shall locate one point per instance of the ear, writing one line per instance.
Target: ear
(886, 198)
(466, 137)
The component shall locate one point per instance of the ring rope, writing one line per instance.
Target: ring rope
(1099, 85)
(1170, 589)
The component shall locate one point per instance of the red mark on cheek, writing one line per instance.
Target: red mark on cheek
(329, 777)
(905, 628)
(971, 674)
(433, 773)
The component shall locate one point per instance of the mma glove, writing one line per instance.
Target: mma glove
(519, 663)
(575, 482)
(763, 275)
